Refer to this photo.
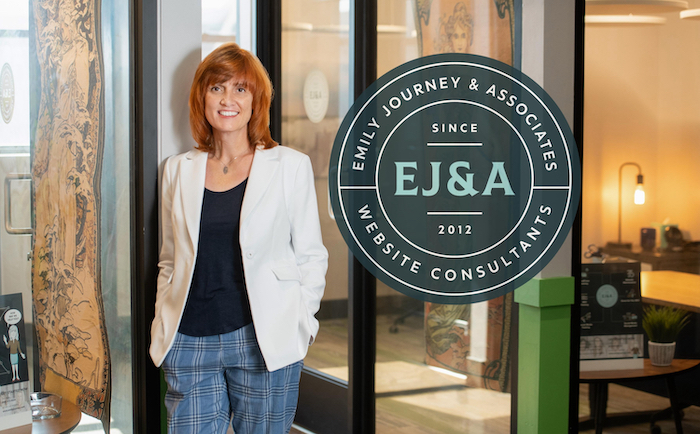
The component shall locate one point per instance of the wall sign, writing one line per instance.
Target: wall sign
(454, 178)
(14, 89)
(316, 96)
(612, 336)
(7, 93)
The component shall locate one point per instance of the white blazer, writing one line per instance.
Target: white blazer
(284, 259)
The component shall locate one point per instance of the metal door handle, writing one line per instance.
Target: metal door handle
(8, 204)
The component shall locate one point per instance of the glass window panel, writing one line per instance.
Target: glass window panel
(442, 368)
(316, 93)
(226, 21)
(642, 116)
(116, 212)
(15, 266)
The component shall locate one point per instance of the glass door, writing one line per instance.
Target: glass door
(432, 361)
(316, 92)
(443, 368)
(433, 368)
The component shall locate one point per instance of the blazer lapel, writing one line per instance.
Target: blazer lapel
(193, 173)
(265, 163)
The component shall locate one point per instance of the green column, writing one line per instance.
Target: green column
(543, 355)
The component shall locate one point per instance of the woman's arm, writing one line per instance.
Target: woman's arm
(311, 255)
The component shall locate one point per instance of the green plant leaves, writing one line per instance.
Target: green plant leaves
(663, 323)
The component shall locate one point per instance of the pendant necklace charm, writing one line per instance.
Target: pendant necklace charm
(229, 163)
(226, 165)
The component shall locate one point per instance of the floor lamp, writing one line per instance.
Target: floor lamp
(639, 198)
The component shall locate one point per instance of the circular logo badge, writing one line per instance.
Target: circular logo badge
(454, 178)
(316, 96)
(606, 296)
(7, 93)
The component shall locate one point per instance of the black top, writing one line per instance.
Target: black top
(218, 301)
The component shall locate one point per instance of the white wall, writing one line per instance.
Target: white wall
(548, 58)
(180, 41)
(642, 104)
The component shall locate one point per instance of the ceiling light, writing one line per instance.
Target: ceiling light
(631, 20)
(691, 14)
(624, 7)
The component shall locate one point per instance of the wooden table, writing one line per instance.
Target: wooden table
(688, 262)
(65, 423)
(671, 288)
(598, 393)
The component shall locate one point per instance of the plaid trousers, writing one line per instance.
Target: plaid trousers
(212, 378)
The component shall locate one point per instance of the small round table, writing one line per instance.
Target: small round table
(65, 423)
(598, 392)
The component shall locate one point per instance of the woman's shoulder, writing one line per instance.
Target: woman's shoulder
(184, 156)
(286, 153)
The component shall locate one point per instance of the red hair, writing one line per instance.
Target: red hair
(225, 62)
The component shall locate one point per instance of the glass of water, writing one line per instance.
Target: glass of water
(45, 405)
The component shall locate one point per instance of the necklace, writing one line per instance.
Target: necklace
(229, 163)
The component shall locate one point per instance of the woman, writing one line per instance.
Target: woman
(242, 264)
(15, 350)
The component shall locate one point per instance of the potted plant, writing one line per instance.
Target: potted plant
(662, 325)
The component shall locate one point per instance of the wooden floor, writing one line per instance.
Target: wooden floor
(622, 399)
(464, 410)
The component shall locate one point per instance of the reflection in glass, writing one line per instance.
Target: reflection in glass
(442, 368)
(316, 94)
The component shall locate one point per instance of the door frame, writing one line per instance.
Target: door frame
(148, 404)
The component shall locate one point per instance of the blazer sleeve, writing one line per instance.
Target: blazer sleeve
(167, 250)
(311, 255)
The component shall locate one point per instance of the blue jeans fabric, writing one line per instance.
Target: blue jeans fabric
(212, 378)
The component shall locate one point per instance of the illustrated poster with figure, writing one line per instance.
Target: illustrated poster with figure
(15, 408)
(483, 27)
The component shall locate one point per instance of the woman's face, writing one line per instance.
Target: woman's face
(460, 41)
(228, 107)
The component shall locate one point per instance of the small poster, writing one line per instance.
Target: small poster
(15, 407)
(612, 336)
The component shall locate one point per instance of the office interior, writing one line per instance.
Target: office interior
(382, 362)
